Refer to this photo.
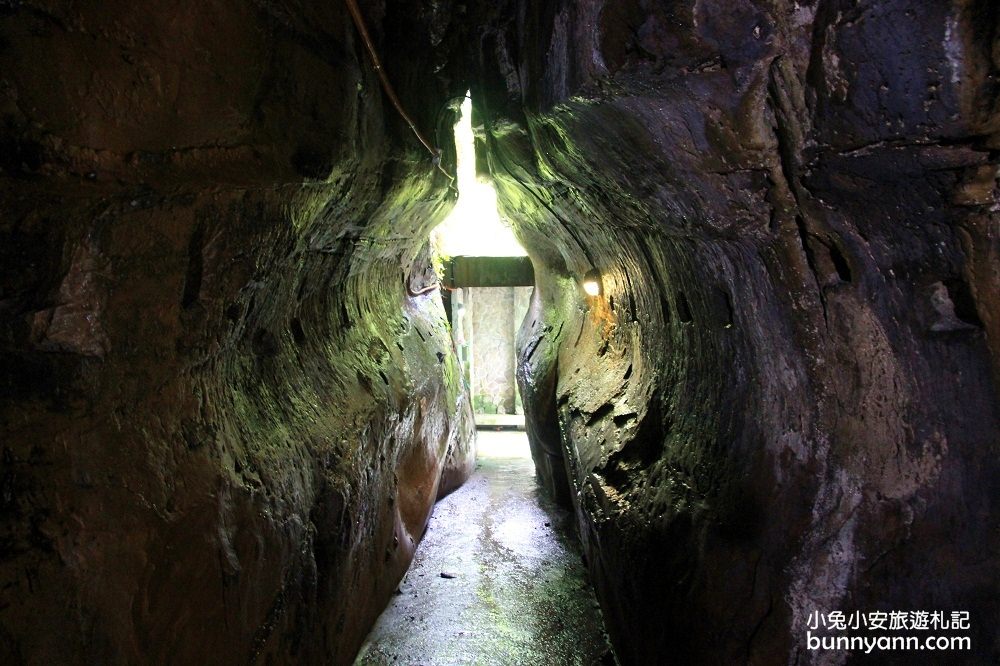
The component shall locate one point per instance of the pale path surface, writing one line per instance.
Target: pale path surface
(520, 593)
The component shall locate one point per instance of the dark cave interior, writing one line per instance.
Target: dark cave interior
(230, 397)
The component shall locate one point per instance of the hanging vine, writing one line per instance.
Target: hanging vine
(390, 92)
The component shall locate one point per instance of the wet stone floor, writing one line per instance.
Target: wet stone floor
(497, 579)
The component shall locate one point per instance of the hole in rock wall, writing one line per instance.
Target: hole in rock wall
(952, 308)
(298, 333)
(683, 309)
(965, 304)
(723, 305)
(840, 263)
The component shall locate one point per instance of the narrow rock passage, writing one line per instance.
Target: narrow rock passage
(497, 579)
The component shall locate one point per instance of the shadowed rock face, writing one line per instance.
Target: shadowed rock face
(225, 417)
(225, 413)
(785, 400)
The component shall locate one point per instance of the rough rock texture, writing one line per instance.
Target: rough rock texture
(786, 398)
(225, 415)
(228, 401)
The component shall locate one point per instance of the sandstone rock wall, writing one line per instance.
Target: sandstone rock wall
(225, 413)
(785, 400)
(226, 405)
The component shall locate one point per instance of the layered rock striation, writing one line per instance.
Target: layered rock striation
(229, 400)
(785, 399)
